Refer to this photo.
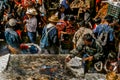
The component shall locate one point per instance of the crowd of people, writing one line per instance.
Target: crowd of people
(86, 31)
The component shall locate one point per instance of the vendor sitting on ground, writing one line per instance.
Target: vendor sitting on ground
(90, 50)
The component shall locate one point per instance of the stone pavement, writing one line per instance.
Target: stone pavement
(42, 67)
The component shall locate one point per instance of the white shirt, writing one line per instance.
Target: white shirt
(31, 24)
(61, 1)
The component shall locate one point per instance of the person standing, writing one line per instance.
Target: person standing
(60, 12)
(49, 41)
(66, 4)
(84, 29)
(105, 35)
(31, 24)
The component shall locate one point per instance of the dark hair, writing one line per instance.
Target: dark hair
(88, 37)
(71, 18)
(109, 18)
(60, 6)
(10, 16)
(66, 18)
(97, 20)
(59, 12)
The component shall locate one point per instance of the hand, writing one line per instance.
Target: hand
(90, 58)
(68, 58)
(24, 21)
(85, 59)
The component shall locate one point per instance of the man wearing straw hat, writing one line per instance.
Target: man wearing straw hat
(50, 46)
(31, 24)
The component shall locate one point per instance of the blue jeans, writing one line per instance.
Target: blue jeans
(88, 65)
(32, 36)
(84, 56)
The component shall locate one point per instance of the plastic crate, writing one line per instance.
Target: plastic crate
(113, 10)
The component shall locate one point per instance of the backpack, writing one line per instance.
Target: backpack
(103, 37)
(45, 42)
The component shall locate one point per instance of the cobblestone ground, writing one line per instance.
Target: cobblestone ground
(36, 67)
(41, 67)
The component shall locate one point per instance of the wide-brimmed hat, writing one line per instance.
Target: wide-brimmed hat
(31, 11)
(12, 22)
(53, 18)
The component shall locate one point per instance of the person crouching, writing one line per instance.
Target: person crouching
(12, 38)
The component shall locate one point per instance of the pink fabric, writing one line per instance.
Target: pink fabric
(60, 27)
(25, 4)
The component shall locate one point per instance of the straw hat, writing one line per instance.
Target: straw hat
(53, 18)
(12, 22)
(31, 11)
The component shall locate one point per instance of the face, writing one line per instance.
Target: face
(29, 16)
(62, 9)
(103, 20)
